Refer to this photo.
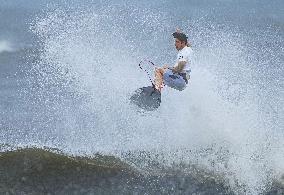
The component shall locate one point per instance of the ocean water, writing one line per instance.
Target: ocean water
(68, 69)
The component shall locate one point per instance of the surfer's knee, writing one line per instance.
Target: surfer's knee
(157, 70)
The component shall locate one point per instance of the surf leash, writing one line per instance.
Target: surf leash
(141, 67)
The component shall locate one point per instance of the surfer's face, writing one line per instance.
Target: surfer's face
(179, 44)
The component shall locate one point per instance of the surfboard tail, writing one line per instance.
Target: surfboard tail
(147, 98)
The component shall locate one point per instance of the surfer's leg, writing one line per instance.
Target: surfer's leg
(159, 72)
(174, 80)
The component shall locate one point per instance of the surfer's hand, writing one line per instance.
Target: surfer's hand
(178, 30)
(173, 69)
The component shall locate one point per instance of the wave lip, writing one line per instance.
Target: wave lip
(5, 46)
(43, 171)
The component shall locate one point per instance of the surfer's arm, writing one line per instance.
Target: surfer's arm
(179, 67)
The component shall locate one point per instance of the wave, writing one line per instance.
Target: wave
(46, 170)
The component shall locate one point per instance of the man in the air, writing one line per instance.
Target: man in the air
(177, 76)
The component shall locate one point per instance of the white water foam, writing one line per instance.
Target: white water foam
(91, 54)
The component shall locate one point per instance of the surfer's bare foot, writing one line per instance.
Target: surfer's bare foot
(159, 78)
(157, 88)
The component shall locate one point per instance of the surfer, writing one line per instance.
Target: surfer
(149, 98)
(176, 77)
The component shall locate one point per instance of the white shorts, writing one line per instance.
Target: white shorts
(174, 80)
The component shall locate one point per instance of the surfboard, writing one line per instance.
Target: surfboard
(147, 98)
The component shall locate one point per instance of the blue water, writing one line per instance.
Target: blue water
(67, 71)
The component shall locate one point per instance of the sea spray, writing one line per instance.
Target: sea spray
(86, 72)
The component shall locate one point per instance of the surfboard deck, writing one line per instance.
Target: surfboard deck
(147, 98)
